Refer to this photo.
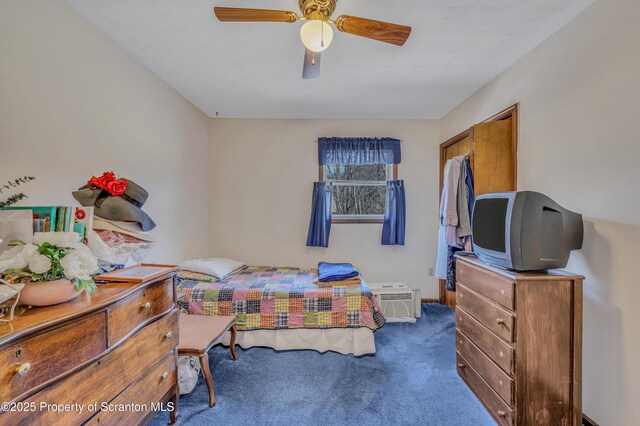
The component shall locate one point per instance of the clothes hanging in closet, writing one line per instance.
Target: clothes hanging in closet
(456, 205)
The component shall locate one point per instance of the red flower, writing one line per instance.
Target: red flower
(102, 181)
(117, 187)
(80, 214)
(109, 183)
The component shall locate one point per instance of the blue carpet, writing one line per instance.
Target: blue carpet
(410, 380)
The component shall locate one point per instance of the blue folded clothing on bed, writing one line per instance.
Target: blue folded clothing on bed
(335, 271)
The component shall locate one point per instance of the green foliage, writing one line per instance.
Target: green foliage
(54, 253)
(88, 285)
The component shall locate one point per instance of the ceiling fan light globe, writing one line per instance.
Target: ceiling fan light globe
(316, 35)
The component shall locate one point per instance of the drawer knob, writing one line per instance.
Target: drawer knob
(165, 375)
(23, 368)
(461, 365)
(146, 306)
(167, 335)
(500, 321)
(502, 413)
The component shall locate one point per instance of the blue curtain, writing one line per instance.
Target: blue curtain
(358, 151)
(320, 223)
(395, 214)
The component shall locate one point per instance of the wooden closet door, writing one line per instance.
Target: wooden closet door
(494, 157)
(460, 148)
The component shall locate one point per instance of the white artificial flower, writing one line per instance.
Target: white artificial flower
(6, 264)
(91, 264)
(78, 264)
(28, 251)
(39, 264)
(25, 250)
(18, 257)
(16, 262)
(12, 252)
(82, 248)
(60, 239)
(89, 259)
(72, 265)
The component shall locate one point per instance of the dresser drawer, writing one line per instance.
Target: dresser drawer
(138, 308)
(495, 348)
(500, 411)
(48, 355)
(501, 383)
(486, 283)
(104, 379)
(152, 385)
(495, 318)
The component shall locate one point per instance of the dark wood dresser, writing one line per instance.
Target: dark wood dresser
(82, 361)
(519, 342)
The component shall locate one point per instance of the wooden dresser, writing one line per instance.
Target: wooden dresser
(519, 343)
(94, 354)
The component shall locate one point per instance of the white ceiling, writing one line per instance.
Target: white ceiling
(254, 69)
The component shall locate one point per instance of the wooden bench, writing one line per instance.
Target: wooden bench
(198, 333)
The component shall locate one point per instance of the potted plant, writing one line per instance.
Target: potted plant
(55, 268)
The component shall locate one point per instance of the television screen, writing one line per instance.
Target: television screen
(489, 223)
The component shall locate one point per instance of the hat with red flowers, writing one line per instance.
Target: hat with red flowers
(115, 199)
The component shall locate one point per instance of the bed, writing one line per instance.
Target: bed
(282, 308)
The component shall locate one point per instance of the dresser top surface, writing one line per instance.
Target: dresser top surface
(552, 274)
(44, 317)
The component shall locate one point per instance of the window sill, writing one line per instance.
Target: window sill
(348, 221)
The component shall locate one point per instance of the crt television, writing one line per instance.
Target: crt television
(524, 231)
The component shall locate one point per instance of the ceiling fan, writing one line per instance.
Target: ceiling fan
(316, 33)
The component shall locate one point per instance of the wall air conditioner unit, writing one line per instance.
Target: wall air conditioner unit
(398, 302)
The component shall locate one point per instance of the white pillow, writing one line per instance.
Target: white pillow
(212, 266)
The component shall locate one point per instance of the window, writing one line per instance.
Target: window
(359, 191)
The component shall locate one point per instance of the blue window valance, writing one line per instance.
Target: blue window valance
(358, 151)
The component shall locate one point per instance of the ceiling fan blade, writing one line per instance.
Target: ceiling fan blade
(311, 68)
(235, 14)
(376, 30)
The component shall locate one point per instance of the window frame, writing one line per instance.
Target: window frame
(344, 219)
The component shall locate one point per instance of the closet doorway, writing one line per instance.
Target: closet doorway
(492, 148)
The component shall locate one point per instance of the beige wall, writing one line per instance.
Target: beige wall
(578, 95)
(72, 104)
(263, 172)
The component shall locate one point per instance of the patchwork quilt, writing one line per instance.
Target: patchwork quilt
(273, 298)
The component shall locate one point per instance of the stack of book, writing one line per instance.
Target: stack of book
(60, 218)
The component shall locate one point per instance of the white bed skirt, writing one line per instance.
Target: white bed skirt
(356, 341)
